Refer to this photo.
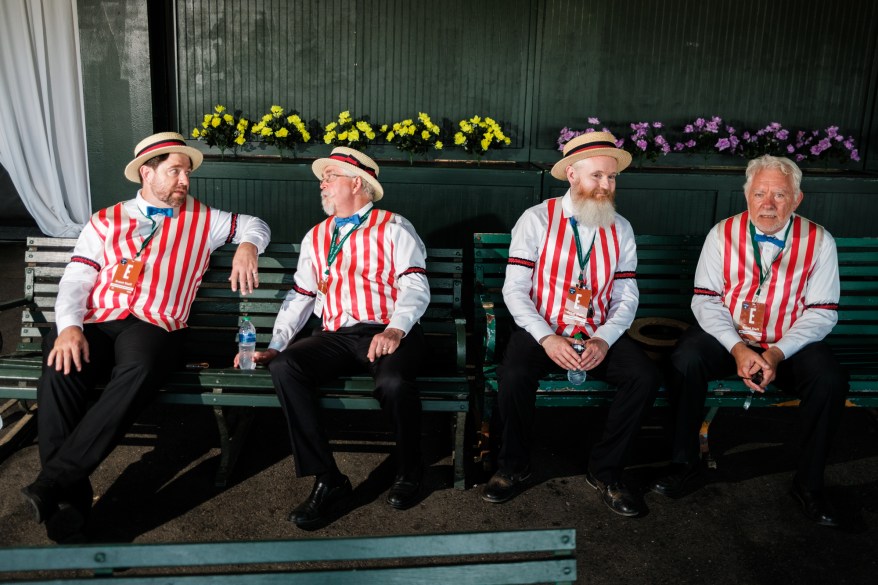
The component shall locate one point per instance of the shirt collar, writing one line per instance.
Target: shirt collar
(567, 205)
(142, 204)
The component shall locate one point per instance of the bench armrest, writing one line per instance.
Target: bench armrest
(460, 340)
(13, 303)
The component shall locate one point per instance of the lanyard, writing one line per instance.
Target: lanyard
(336, 243)
(582, 260)
(764, 274)
(148, 238)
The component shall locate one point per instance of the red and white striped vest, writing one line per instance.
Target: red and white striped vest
(174, 262)
(784, 290)
(362, 279)
(557, 269)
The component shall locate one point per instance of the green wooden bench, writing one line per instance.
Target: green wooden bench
(665, 274)
(526, 556)
(210, 380)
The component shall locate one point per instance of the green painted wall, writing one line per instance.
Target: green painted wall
(535, 65)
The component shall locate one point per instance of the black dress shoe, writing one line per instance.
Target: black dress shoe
(42, 495)
(616, 496)
(503, 486)
(673, 483)
(815, 506)
(67, 525)
(403, 493)
(324, 494)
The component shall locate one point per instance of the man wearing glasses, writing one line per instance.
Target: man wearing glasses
(362, 272)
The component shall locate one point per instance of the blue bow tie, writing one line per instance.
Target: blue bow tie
(770, 239)
(354, 220)
(166, 211)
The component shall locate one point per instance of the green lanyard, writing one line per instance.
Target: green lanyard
(148, 238)
(336, 244)
(582, 260)
(758, 254)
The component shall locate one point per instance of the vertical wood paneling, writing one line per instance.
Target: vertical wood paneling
(388, 59)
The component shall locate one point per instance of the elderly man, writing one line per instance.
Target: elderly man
(362, 272)
(571, 270)
(766, 294)
(121, 313)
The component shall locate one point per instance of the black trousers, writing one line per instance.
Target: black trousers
(133, 358)
(813, 374)
(298, 371)
(625, 366)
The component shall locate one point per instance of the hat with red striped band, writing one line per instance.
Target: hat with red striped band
(351, 160)
(161, 143)
(588, 145)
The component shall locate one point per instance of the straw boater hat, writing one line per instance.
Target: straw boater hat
(588, 145)
(161, 143)
(352, 160)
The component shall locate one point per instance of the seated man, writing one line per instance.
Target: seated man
(363, 272)
(121, 313)
(766, 294)
(572, 264)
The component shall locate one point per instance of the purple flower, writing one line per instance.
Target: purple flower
(688, 129)
(800, 157)
(657, 125)
(722, 144)
(790, 149)
(855, 155)
(691, 144)
(832, 131)
(641, 144)
(782, 135)
(594, 121)
(679, 146)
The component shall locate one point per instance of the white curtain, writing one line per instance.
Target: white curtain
(42, 121)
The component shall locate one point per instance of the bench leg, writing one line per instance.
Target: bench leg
(458, 431)
(233, 424)
(705, 447)
(21, 429)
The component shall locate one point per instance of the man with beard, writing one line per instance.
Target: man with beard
(572, 264)
(362, 271)
(120, 318)
(766, 294)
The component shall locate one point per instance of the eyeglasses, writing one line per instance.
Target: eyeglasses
(330, 177)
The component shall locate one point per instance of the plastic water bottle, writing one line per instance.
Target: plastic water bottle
(246, 344)
(577, 377)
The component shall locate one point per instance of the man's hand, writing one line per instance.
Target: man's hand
(385, 343)
(595, 351)
(70, 348)
(245, 268)
(259, 357)
(749, 362)
(560, 350)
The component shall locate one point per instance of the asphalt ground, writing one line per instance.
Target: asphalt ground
(739, 526)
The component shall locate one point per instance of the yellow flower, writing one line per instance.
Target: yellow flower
(507, 141)
(277, 110)
(363, 126)
(344, 117)
(407, 122)
(490, 121)
(485, 143)
(266, 118)
(242, 123)
(228, 118)
(219, 109)
(353, 135)
(459, 139)
(205, 124)
(208, 117)
(370, 135)
(465, 126)
(266, 131)
(282, 133)
(475, 119)
(306, 136)
(390, 136)
(196, 133)
(294, 119)
(438, 145)
(343, 136)
(239, 140)
(425, 135)
(215, 122)
(327, 138)
(331, 126)
(397, 126)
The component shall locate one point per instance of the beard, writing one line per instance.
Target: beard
(328, 206)
(594, 213)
